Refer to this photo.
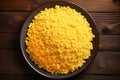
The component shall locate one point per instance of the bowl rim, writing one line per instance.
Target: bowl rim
(23, 35)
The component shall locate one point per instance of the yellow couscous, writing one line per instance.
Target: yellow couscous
(59, 40)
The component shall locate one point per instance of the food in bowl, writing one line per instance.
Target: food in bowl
(59, 40)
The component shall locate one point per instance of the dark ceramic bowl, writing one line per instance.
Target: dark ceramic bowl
(50, 5)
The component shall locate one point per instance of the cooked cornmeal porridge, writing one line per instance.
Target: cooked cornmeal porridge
(59, 40)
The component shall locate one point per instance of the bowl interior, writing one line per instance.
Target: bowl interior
(50, 5)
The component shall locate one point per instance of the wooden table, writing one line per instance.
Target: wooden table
(106, 65)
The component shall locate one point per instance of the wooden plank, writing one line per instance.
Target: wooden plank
(105, 62)
(109, 42)
(9, 41)
(18, 5)
(38, 77)
(12, 62)
(95, 5)
(30, 5)
(106, 42)
(108, 23)
(12, 21)
(96, 77)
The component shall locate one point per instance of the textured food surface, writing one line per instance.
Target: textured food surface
(59, 40)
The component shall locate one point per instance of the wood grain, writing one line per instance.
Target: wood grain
(38, 77)
(109, 42)
(30, 5)
(107, 23)
(105, 62)
(98, 5)
(12, 21)
(9, 41)
(18, 5)
(106, 65)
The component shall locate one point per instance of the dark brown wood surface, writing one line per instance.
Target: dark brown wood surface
(106, 65)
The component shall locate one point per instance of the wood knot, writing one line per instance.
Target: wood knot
(105, 30)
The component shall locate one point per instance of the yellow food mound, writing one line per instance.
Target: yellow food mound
(59, 40)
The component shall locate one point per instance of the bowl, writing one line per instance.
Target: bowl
(50, 5)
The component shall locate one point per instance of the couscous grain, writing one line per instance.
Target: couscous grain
(59, 40)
